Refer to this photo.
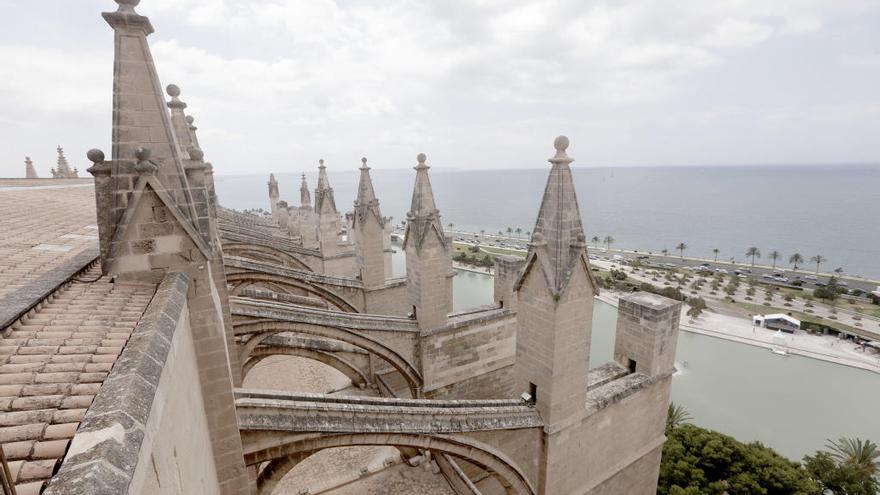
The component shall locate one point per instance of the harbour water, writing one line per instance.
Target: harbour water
(827, 210)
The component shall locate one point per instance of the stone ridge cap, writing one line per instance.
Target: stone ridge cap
(617, 390)
(409, 409)
(605, 373)
(17, 304)
(107, 443)
(243, 393)
(314, 343)
(265, 240)
(262, 303)
(244, 263)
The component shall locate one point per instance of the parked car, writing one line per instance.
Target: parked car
(810, 277)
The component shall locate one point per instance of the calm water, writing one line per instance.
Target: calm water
(826, 210)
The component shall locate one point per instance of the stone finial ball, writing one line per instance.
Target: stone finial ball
(364, 160)
(94, 155)
(561, 143)
(173, 90)
(190, 119)
(321, 162)
(422, 158)
(195, 153)
(142, 154)
(128, 3)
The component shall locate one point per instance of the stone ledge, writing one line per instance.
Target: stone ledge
(107, 444)
(16, 304)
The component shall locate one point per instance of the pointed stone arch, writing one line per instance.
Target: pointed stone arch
(357, 376)
(254, 333)
(281, 459)
(286, 285)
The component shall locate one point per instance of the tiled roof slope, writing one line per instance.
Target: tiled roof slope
(52, 365)
(42, 227)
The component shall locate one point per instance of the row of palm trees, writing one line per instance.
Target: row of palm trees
(754, 253)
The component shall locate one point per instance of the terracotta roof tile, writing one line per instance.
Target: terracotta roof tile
(53, 363)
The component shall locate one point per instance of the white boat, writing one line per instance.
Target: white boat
(779, 345)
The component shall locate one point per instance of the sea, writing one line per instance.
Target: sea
(828, 210)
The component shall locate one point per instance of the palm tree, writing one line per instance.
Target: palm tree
(795, 259)
(451, 225)
(681, 247)
(774, 255)
(596, 240)
(509, 231)
(529, 234)
(518, 231)
(608, 242)
(856, 452)
(838, 270)
(482, 232)
(676, 416)
(753, 252)
(818, 260)
(664, 251)
(716, 251)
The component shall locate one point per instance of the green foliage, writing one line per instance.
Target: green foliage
(676, 416)
(697, 461)
(697, 306)
(670, 292)
(839, 478)
(855, 451)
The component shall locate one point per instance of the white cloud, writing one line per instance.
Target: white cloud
(455, 75)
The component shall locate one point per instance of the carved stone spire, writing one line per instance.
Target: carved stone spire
(305, 198)
(140, 115)
(558, 239)
(325, 203)
(369, 228)
(428, 261)
(29, 171)
(178, 119)
(366, 202)
(423, 216)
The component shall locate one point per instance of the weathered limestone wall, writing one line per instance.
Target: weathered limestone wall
(459, 361)
(620, 446)
(507, 271)
(388, 300)
(172, 459)
(342, 264)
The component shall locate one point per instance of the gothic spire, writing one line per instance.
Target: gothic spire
(324, 200)
(305, 198)
(423, 214)
(29, 170)
(558, 239)
(366, 201)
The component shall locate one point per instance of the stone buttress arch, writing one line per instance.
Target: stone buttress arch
(357, 377)
(281, 459)
(241, 280)
(264, 253)
(258, 331)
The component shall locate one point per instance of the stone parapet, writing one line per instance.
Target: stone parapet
(104, 453)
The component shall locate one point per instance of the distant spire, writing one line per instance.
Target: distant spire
(63, 169)
(29, 171)
(423, 214)
(272, 180)
(366, 201)
(558, 239)
(324, 200)
(178, 119)
(305, 198)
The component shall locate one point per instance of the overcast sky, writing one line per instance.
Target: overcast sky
(276, 84)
